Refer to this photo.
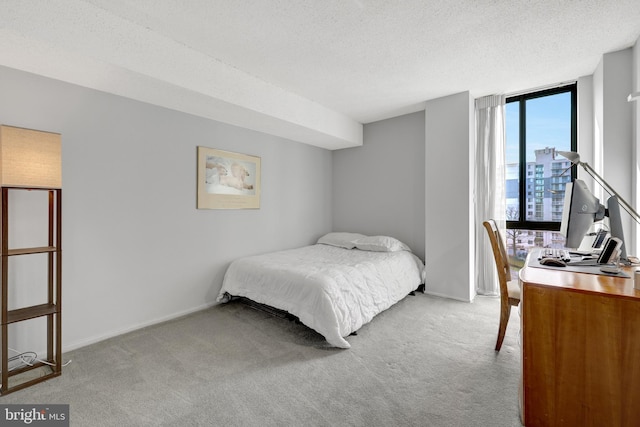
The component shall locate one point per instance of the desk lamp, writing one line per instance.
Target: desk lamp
(613, 202)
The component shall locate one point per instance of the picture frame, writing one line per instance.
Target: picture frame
(227, 180)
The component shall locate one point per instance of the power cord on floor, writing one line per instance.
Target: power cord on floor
(34, 358)
(28, 358)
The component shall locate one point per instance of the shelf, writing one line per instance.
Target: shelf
(27, 251)
(31, 312)
(50, 311)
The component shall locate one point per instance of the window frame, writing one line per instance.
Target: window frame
(522, 223)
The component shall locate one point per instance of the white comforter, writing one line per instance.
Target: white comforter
(330, 289)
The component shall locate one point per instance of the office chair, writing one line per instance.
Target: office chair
(509, 289)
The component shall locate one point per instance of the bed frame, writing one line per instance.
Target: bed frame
(276, 312)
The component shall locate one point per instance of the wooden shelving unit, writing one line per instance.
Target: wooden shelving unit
(52, 309)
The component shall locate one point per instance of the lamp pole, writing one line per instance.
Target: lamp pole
(574, 158)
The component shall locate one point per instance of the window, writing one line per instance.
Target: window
(538, 125)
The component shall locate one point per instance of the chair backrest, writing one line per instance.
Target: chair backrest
(499, 254)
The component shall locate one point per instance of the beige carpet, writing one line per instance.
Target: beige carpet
(424, 362)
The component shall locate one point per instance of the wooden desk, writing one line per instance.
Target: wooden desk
(580, 349)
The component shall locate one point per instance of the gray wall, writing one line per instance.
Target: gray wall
(614, 123)
(450, 223)
(635, 175)
(412, 177)
(379, 188)
(135, 248)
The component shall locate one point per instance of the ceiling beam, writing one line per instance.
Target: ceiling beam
(138, 63)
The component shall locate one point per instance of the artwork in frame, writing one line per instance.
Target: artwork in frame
(227, 180)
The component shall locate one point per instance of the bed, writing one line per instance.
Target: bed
(334, 286)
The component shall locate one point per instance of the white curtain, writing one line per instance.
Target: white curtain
(490, 198)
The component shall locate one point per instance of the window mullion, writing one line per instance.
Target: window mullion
(522, 217)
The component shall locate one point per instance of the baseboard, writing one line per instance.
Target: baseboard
(436, 294)
(93, 340)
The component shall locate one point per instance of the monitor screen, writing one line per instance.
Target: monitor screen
(581, 210)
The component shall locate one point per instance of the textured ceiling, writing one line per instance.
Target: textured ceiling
(314, 70)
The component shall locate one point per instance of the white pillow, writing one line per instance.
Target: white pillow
(340, 239)
(381, 244)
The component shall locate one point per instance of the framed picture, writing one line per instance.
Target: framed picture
(227, 180)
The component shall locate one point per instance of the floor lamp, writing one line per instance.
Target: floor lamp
(30, 160)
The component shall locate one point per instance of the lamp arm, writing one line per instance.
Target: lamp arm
(626, 206)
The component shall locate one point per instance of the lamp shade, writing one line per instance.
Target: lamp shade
(30, 158)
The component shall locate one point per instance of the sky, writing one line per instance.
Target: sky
(548, 125)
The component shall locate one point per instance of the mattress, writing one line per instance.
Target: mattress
(332, 290)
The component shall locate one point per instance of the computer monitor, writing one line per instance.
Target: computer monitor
(581, 210)
(615, 224)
